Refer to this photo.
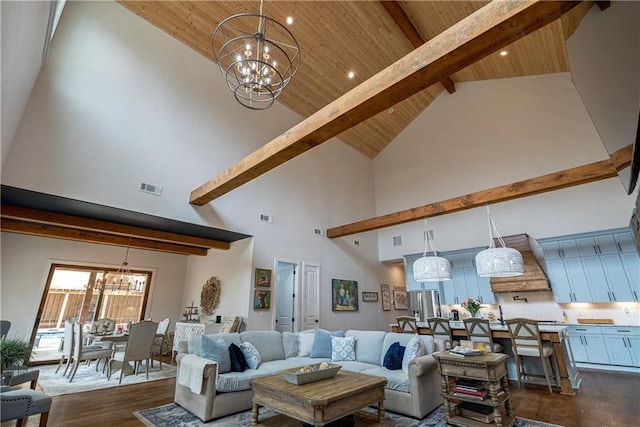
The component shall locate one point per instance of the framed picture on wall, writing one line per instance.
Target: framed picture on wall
(344, 295)
(369, 297)
(400, 299)
(385, 290)
(261, 300)
(263, 278)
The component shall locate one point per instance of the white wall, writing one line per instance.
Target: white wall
(489, 134)
(26, 261)
(119, 102)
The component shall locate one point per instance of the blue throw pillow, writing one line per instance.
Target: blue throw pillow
(238, 362)
(393, 358)
(218, 352)
(251, 355)
(322, 343)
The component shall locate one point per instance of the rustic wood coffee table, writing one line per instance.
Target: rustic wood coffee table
(320, 402)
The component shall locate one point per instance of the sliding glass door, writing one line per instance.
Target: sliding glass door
(87, 294)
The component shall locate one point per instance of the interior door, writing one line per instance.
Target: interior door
(310, 296)
(285, 296)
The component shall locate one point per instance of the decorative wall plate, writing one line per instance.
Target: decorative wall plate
(210, 296)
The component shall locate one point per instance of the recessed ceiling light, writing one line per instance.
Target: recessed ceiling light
(504, 53)
(351, 74)
(390, 110)
(289, 20)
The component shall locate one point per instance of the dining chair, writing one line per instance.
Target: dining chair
(479, 330)
(440, 330)
(407, 325)
(18, 404)
(138, 348)
(158, 341)
(526, 342)
(85, 353)
(67, 347)
(5, 325)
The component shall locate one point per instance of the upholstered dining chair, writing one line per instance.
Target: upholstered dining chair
(85, 353)
(479, 330)
(440, 330)
(5, 325)
(407, 325)
(21, 403)
(158, 341)
(138, 348)
(66, 353)
(526, 342)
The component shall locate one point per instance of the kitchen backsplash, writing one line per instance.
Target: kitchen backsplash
(541, 306)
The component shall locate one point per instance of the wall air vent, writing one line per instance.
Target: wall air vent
(397, 240)
(150, 188)
(318, 231)
(266, 218)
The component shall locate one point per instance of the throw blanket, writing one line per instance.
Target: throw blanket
(191, 372)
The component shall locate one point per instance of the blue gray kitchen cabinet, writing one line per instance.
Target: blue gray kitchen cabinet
(588, 345)
(623, 345)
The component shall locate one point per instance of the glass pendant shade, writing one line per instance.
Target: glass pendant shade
(498, 262)
(431, 268)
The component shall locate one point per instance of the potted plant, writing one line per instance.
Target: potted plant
(14, 352)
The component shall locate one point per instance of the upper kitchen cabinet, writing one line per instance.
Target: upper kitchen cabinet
(606, 262)
(465, 282)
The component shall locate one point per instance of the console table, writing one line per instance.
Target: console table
(491, 368)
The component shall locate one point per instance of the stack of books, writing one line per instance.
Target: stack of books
(463, 351)
(470, 389)
(476, 412)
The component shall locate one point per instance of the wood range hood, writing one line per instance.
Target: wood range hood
(534, 277)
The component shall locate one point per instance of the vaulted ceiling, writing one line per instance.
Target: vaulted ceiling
(365, 37)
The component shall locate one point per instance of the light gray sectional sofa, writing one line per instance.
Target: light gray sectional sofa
(414, 393)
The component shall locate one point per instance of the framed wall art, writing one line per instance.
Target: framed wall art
(263, 278)
(344, 295)
(369, 297)
(261, 300)
(385, 290)
(400, 299)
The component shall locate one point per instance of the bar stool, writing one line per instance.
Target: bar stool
(479, 330)
(407, 325)
(440, 330)
(526, 342)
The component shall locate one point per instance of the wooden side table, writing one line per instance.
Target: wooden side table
(491, 368)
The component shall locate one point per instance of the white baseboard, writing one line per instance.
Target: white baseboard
(608, 367)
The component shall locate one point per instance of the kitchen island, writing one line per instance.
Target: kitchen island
(555, 334)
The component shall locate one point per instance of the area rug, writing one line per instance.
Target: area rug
(172, 415)
(88, 379)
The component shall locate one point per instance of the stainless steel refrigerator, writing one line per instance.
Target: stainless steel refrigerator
(425, 304)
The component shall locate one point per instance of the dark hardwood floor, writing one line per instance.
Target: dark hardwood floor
(605, 399)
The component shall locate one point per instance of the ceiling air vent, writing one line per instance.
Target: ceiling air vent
(150, 188)
(397, 240)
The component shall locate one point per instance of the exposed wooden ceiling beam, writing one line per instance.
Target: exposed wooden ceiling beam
(69, 221)
(489, 29)
(555, 181)
(54, 231)
(603, 4)
(399, 16)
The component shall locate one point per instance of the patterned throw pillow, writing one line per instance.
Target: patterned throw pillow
(251, 355)
(393, 358)
(415, 348)
(218, 352)
(342, 349)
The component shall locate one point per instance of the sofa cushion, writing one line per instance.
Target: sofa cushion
(251, 355)
(396, 380)
(306, 343)
(268, 343)
(238, 381)
(194, 344)
(368, 346)
(238, 362)
(393, 357)
(218, 351)
(342, 349)
(322, 342)
(290, 344)
(414, 348)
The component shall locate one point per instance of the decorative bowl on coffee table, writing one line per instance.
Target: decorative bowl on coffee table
(298, 377)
